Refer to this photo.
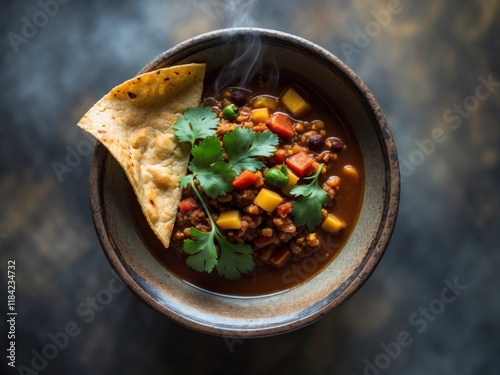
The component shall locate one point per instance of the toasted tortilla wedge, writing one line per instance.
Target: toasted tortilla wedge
(135, 122)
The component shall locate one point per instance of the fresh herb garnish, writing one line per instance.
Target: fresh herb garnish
(202, 251)
(209, 168)
(307, 208)
(243, 147)
(234, 259)
(197, 123)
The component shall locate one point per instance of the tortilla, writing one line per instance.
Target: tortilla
(135, 123)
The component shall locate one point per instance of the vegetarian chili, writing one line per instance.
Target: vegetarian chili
(274, 191)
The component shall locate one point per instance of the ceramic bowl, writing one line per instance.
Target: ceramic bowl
(265, 315)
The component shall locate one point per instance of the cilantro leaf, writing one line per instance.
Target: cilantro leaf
(216, 181)
(209, 168)
(307, 208)
(184, 181)
(203, 254)
(243, 146)
(234, 259)
(207, 152)
(264, 144)
(307, 211)
(196, 123)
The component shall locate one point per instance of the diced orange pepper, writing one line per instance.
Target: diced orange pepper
(300, 163)
(281, 124)
(284, 209)
(245, 179)
(188, 205)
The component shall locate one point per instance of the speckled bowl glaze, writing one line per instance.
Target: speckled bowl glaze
(301, 305)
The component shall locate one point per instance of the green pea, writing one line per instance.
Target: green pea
(230, 112)
(276, 177)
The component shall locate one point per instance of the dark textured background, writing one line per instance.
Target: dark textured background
(421, 64)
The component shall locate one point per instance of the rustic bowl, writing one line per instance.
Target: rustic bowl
(264, 315)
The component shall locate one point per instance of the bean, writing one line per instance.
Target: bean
(333, 181)
(315, 142)
(335, 143)
(317, 125)
(239, 97)
(299, 128)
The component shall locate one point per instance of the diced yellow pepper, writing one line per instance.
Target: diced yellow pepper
(267, 199)
(229, 220)
(294, 102)
(267, 232)
(333, 224)
(292, 181)
(261, 114)
(265, 101)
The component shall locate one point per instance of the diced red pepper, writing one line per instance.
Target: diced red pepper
(281, 124)
(245, 179)
(300, 163)
(278, 157)
(262, 241)
(284, 209)
(187, 205)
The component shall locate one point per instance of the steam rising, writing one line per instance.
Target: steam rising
(229, 13)
(248, 59)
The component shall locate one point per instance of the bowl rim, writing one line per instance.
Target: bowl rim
(390, 209)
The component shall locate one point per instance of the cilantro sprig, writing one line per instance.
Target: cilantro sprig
(209, 168)
(243, 148)
(311, 198)
(234, 259)
(196, 123)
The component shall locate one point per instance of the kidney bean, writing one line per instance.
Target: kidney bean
(315, 142)
(239, 97)
(335, 143)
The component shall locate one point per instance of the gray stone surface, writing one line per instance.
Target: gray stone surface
(422, 64)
